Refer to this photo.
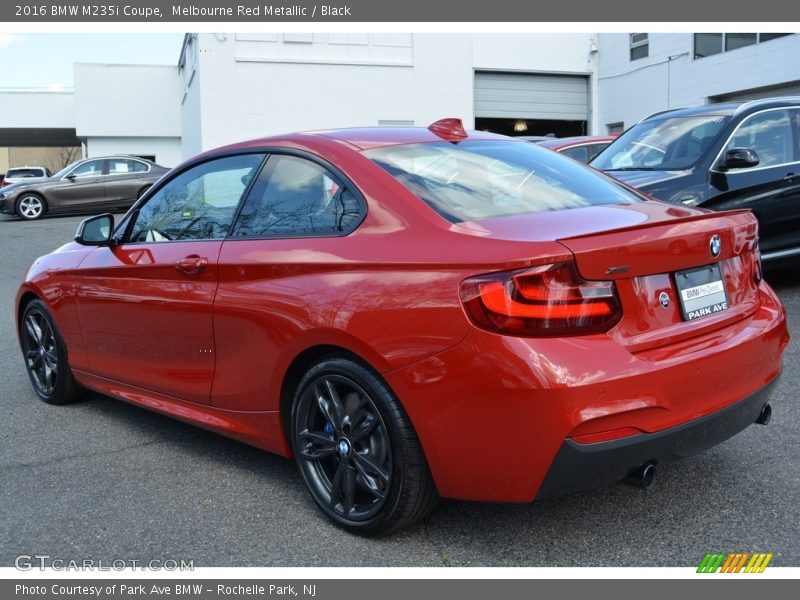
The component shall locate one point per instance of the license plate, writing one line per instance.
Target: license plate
(701, 292)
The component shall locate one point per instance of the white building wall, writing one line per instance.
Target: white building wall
(167, 150)
(126, 100)
(37, 110)
(189, 91)
(253, 85)
(671, 78)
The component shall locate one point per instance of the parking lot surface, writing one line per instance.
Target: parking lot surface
(102, 479)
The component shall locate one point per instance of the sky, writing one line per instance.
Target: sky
(44, 60)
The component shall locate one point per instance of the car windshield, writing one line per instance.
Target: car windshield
(662, 144)
(66, 169)
(475, 180)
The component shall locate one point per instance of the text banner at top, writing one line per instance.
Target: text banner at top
(441, 11)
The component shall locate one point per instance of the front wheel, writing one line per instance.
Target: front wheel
(46, 356)
(357, 451)
(31, 207)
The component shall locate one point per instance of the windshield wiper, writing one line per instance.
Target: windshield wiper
(633, 169)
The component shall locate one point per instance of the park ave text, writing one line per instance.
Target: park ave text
(167, 589)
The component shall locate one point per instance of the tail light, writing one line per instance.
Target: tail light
(551, 300)
(4, 183)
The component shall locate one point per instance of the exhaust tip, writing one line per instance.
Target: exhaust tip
(765, 415)
(643, 477)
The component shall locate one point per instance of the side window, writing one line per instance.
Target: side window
(198, 204)
(296, 197)
(91, 168)
(596, 149)
(138, 167)
(580, 153)
(769, 133)
(119, 166)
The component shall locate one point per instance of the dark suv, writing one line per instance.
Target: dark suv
(720, 156)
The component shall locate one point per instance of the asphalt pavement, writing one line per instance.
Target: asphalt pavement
(102, 479)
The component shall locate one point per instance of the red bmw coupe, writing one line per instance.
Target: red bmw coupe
(415, 313)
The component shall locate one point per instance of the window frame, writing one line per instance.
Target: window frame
(795, 133)
(123, 230)
(334, 173)
(635, 45)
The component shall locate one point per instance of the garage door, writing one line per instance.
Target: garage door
(523, 96)
(789, 89)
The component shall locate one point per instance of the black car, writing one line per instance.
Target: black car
(105, 183)
(720, 156)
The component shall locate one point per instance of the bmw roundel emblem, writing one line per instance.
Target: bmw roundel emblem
(663, 299)
(715, 246)
(344, 447)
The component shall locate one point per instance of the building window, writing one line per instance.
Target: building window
(765, 37)
(739, 40)
(708, 44)
(615, 128)
(640, 47)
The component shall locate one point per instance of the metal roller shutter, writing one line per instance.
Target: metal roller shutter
(788, 89)
(524, 96)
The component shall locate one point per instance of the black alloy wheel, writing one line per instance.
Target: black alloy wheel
(45, 355)
(356, 450)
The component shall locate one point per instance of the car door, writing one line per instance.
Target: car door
(123, 182)
(771, 189)
(288, 228)
(145, 304)
(83, 187)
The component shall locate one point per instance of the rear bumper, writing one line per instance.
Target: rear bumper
(494, 413)
(584, 466)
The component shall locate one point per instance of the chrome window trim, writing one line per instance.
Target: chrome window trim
(715, 162)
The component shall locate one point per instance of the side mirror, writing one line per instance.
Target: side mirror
(71, 177)
(96, 231)
(739, 158)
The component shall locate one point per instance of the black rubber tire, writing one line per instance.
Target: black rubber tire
(65, 390)
(412, 492)
(21, 214)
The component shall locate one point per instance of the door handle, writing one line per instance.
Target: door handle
(790, 176)
(191, 265)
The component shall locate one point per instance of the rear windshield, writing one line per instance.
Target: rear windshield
(475, 180)
(671, 143)
(21, 173)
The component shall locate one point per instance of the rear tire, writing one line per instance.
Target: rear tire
(46, 356)
(31, 206)
(357, 451)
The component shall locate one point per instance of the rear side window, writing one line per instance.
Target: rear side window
(295, 197)
(122, 166)
(579, 153)
(484, 179)
(25, 173)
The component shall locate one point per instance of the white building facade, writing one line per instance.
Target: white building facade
(639, 74)
(229, 87)
(237, 86)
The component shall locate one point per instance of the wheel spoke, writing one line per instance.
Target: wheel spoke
(33, 329)
(367, 466)
(328, 409)
(336, 485)
(364, 427)
(336, 401)
(51, 359)
(348, 488)
(317, 445)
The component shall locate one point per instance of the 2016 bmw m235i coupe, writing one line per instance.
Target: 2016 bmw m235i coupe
(415, 313)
